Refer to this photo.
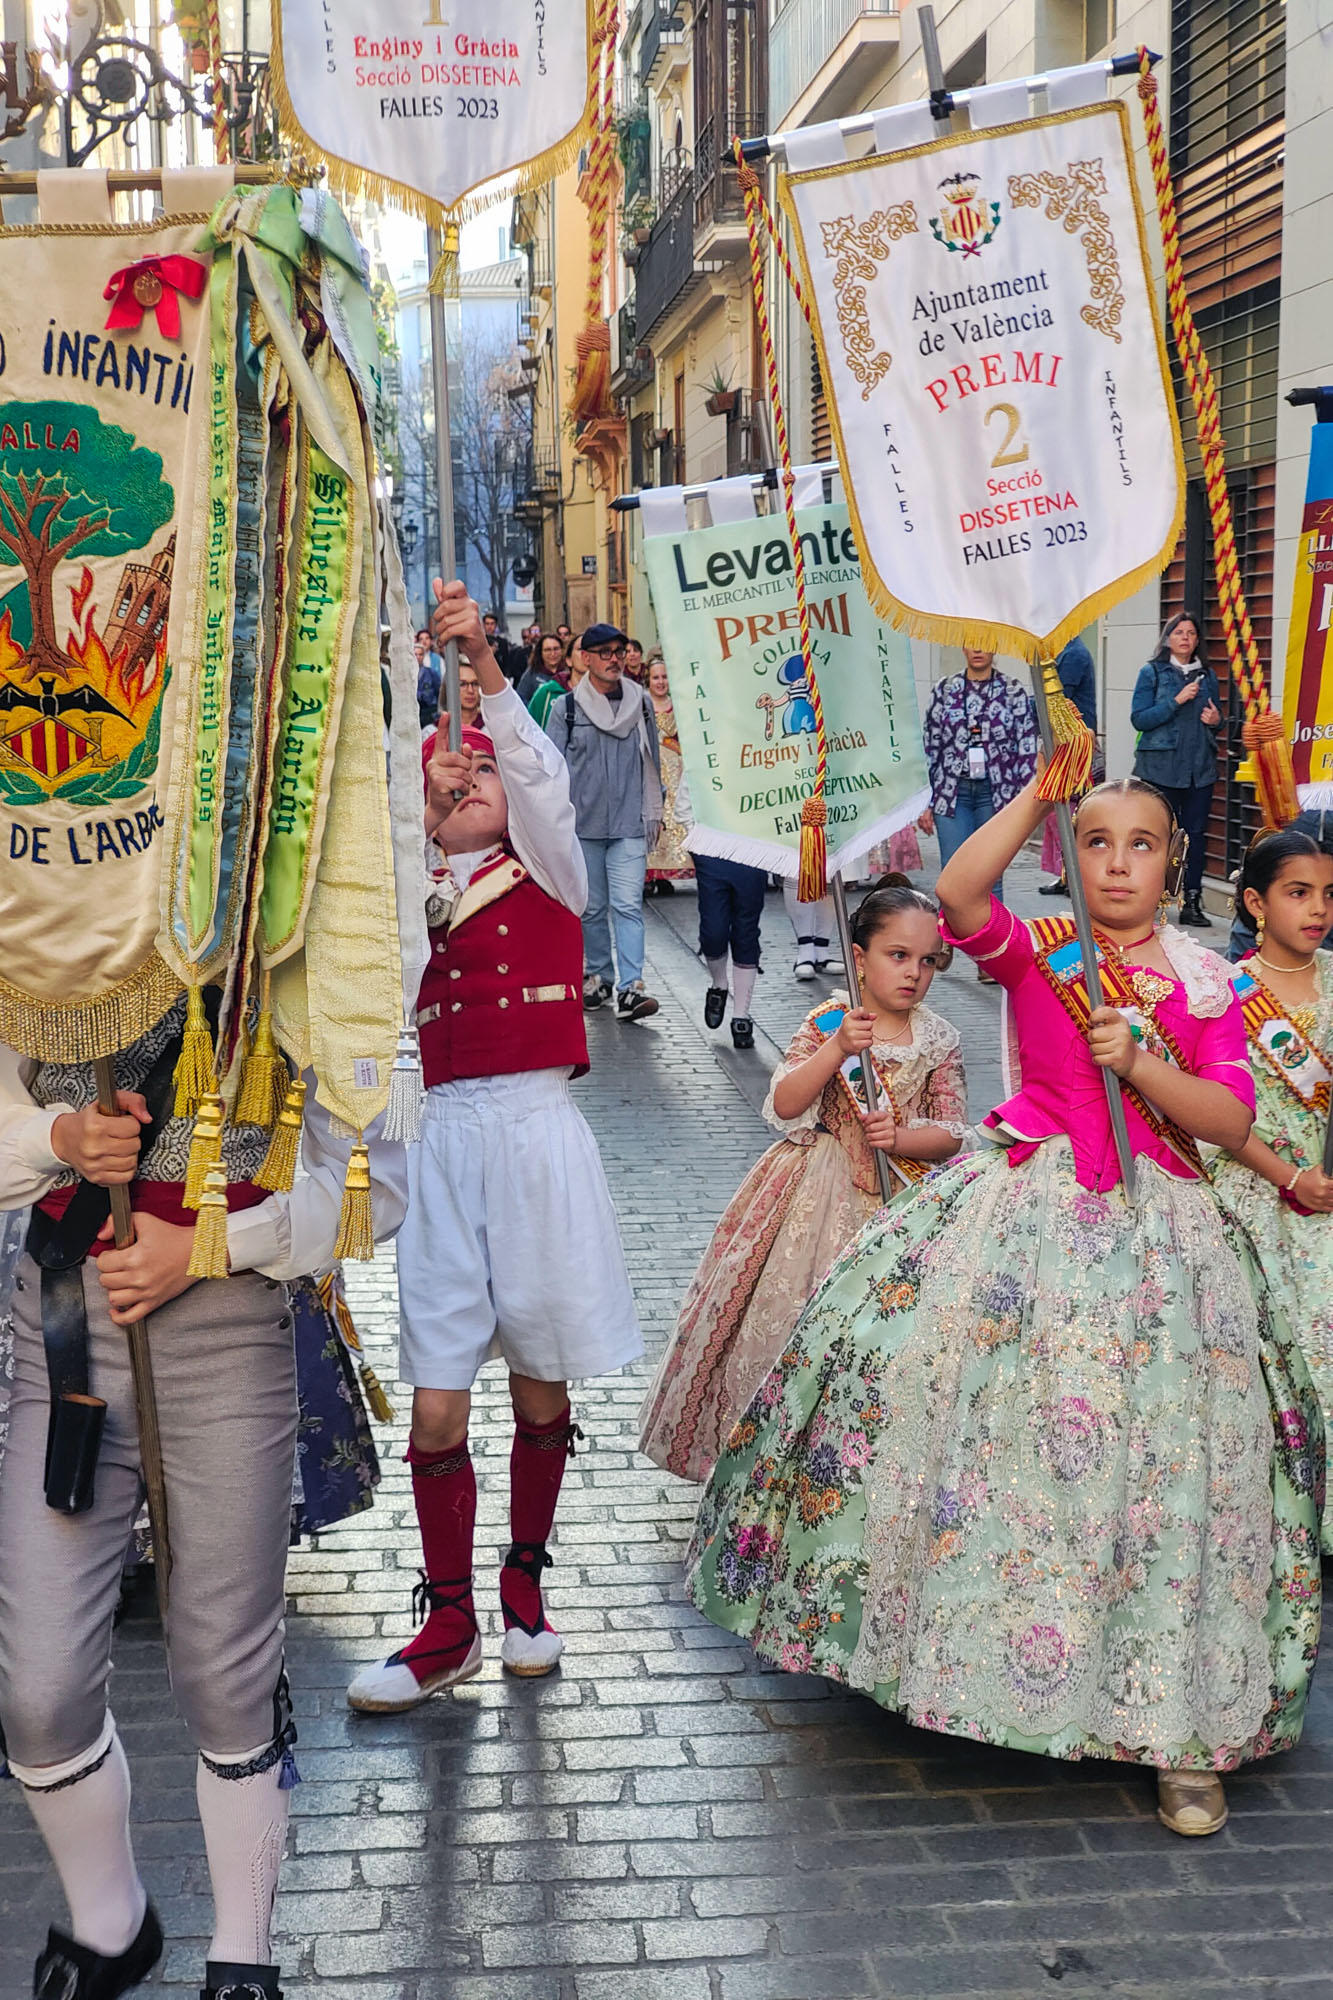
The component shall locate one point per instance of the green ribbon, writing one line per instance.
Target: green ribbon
(321, 607)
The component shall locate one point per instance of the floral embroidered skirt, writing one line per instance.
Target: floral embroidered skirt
(1296, 1252)
(1037, 1469)
(794, 1211)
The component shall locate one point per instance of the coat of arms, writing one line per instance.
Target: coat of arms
(79, 713)
(966, 222)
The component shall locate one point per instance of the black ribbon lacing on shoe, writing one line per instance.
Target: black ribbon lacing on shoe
(446, 1593)
(531, 1558)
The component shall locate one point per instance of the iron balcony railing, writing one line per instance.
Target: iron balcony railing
(666, 263)
(663, 25)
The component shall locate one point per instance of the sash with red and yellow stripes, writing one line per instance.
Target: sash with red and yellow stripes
(1060, 962)
(827, 1023)
(1274, 1037)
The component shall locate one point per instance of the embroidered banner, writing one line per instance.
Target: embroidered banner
(725, 602)
(418, 107)
(1307, 690)
(96, 490)
(988, 336)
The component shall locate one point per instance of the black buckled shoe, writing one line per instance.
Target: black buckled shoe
(715, 1006)
(68, 1970)
(742, 1031)
(240, 1982)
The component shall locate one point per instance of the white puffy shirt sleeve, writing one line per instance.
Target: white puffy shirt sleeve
(292, 1235)
(28, 1167)
(542, 832)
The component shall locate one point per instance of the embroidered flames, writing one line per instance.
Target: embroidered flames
(79, 698)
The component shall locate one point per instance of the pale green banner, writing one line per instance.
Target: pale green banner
(725, 602)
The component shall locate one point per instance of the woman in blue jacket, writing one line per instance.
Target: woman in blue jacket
(1175, 709)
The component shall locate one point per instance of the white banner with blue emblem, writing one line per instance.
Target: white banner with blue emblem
(989, 340)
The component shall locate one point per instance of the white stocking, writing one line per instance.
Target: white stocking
(85, 1822)
(245, 1833)
(717, 970)
(742, 989)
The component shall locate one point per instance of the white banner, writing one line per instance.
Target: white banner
(996, 376)
(430, 105)
(725, 602)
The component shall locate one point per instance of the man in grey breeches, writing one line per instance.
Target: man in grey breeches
(225, 1375)
(226, 1391)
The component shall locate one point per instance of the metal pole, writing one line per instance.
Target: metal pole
(444, 475)
(839, 895)
(1064, 820)
(141, 1367)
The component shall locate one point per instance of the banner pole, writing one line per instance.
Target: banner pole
(141, 1370)
(839, 894)
(1064, 820)
(444, 471)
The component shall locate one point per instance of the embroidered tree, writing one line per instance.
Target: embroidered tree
(69, 485)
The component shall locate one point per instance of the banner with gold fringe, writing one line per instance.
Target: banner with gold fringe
(99, 426)
(419, 109)
(984, 313)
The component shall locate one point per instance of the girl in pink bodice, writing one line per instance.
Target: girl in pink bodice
(1038, 1464)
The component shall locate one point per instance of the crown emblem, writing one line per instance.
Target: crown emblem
(967, 221)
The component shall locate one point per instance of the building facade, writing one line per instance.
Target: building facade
(1243, 91)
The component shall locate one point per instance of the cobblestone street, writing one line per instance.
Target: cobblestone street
(660, 1820)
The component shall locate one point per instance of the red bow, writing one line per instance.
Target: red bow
(155, 282)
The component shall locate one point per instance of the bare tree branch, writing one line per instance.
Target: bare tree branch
(492, 439)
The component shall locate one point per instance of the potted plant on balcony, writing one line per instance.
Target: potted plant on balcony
(721, 398)
(191, 22)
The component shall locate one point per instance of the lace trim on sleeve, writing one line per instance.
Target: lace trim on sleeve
(1205, 976)
(804, 1043)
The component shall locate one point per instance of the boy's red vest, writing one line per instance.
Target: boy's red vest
(503, 989)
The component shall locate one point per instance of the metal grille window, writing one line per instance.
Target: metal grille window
(1240, 336)
(1187, 584)
(1227, 74)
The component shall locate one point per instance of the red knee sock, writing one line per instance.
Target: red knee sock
(444, 1487)
(536, 1468)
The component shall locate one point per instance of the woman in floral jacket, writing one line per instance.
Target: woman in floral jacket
(981, 748)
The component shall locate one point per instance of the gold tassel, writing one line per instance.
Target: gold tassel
(1068, 770)
(812, 881)
(263, 1074)
(194, 1067)
(1265, 737)
(205, 1148)
(208, 1258)
(279, 1169)
(381, 1409)
(356, 1230)
(329, 1287)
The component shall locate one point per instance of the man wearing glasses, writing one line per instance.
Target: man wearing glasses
(608, 737)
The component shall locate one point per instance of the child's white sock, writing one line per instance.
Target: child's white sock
(742, 989)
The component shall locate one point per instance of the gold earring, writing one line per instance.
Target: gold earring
(1259, 929)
